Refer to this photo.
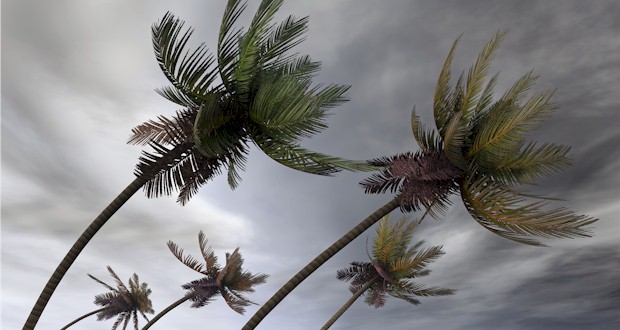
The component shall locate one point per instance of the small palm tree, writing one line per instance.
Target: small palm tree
(479, 152)
(392, 267)
(121, 302)
(264, 97)
(230, 281)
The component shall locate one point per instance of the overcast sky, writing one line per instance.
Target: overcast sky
(78, 75)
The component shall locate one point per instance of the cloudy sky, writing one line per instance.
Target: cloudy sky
(78, 75)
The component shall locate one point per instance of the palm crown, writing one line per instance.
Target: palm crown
(122, 302)
(479, 150)
(264, 96)
(230, 281)
(393, 266)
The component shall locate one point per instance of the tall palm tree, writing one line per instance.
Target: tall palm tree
(264, 97)
(392, 267)
(121, 302)
(230, 281)
(477, 151)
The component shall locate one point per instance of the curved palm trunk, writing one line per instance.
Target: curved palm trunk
(347, 305)
(165, 311)
(82, 317)
(77, 247)
(318, 261)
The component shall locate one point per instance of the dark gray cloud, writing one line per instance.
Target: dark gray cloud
(77, 76)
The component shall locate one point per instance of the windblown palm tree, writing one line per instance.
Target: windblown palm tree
(121, 302)
(230, 281)
(264, 97)
(392, 267)
(479, 152)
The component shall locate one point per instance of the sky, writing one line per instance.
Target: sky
(78, 75)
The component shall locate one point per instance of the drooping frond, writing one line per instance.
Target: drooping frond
(426, 138)
(191, 74)
(235, 302)
(301, 159)
(202, 291)
(165, 131)
(188, 260)
(409, 288)
(356, 269)
(289, 109)
(532, 163)
(509, 215)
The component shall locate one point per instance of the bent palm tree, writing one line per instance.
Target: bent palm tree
(392, 267)
(265, 96)
(478, 151)
(230, 281)
(123, 303)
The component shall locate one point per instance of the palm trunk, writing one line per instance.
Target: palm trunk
(163, 163)
(162, 313)
(318, 261)
(77, 247)
(347, 305)
(82, 317)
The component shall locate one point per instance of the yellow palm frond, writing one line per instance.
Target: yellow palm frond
(509, 215)
(441, 103)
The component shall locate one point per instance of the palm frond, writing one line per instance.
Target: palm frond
(250, 47)
(227, 44)
(192, 75)
(508, 215)
(165, 131)
(477, 74)
(101, 282)
(202, 291)
(441, 101)
(501, 129)
(301, 159)
(426, 138)
(207, 253)
(188, 260)
(532, 163)
(286, 36)
(412, 288)
(405, 264)
(117, 279)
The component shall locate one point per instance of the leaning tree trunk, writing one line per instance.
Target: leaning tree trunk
(162, 164)
(83, 317)
(347, 305)
(165, 311)
(318, 261)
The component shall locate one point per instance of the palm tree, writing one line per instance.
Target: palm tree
(478, 151)
(392, 267)
(264, 97)
(123, 303)
(230, 281)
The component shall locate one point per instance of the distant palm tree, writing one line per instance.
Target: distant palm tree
(123, 303)
(478, 151)
(392, 267)
(264, 97)
(230, 281)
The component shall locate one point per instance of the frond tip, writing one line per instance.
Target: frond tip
(509, 215)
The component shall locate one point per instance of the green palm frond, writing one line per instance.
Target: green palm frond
(301, 159)
(190, 73)
(412, 288)
(509, 215)
(227, 44)
(286, 36)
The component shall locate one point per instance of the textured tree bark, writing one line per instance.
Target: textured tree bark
(318, 261)
(77, 247)
(347, 305)
(165, 311)
(82, 317)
